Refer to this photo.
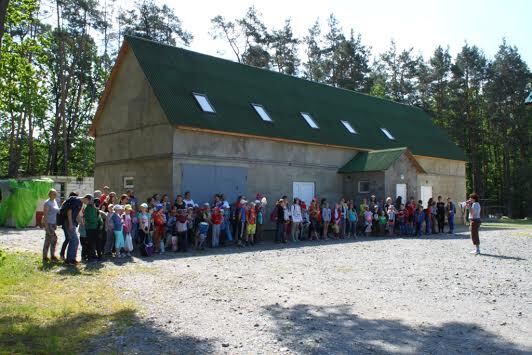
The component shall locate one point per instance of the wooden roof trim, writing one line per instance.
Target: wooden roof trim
(124, 49)
(411, 157)
(429, 157)
(281, 140)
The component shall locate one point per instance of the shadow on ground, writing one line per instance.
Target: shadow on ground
(76, 335)
(310, 329)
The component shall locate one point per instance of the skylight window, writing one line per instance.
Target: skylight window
(348, 126)
(309, 120)
(387, 133)
(262, 112)
(204, 102)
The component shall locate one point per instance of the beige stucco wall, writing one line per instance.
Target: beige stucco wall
(405, 168)
(447, 178)
(133, 136)
(272, 166)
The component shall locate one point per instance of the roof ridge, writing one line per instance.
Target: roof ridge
(388, 150)
(272, 71)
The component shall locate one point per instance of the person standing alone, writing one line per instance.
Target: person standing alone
(474, 219)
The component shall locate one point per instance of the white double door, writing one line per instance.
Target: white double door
(305, 191)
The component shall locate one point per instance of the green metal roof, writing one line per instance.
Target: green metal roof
(378, 160)
(175, 73)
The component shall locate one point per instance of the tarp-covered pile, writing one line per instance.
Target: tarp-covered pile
(19, 199)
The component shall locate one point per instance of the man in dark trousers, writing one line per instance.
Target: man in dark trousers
(440, 214)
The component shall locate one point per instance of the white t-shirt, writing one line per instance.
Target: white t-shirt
(295, 212)
(474, 211)
(189, 203)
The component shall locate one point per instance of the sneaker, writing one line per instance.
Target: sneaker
(476, 251)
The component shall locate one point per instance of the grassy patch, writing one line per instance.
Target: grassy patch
(53, 309)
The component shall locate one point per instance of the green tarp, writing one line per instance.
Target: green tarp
(19, 199)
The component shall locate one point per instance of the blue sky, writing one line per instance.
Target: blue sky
(411, 23)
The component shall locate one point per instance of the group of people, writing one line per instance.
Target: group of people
(108, 225)
(373, 217)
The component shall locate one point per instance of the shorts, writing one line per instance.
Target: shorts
(251, 229)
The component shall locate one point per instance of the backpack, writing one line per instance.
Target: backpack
(148, 245)
(273, 215)
(62, 214)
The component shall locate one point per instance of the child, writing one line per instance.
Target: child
(401, 216)
(382, 223)
(368, 221)
(203, 229)
(158, 224)
(251, 220)
(337, 220)
(260, 222)
(83, 239)
(118, 230)
(226, 226)
(171, 233)
(242, 211)
(216, 220)
(419, 217)
(109, 230)
(352, 219)
(193, 214)
(391, 220)
(202, 226)
(128, 226)
(182, 223)
(326, 217)
(375, 226)
(450, 209)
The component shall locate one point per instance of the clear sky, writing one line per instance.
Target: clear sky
(411, 23)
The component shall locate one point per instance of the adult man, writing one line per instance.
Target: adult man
(71, 211)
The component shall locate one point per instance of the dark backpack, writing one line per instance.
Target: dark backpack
(62, 214)
(273, 215)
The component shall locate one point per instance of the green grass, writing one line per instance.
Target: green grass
(507, 223)
(56, 310)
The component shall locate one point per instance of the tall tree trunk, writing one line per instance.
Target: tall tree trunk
(508, 198)
(3, 12)
(30, 167)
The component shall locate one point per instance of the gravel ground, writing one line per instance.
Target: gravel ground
(372, 295)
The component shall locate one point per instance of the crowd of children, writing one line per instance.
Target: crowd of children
(118, 226)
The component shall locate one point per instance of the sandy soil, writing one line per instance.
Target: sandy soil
(372, 295)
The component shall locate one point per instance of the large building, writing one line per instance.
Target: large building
(172, 120)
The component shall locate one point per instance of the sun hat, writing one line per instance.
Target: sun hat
(128, 207)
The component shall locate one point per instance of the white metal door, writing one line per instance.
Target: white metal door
(426, 193)
(400, 190)
(304, 191)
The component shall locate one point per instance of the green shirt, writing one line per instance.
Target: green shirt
(382, 219)
(91, 217)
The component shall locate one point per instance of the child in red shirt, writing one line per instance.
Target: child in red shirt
(251, 220)
(159, 222)
(216, 220)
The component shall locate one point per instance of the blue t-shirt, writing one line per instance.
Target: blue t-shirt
(117, 222)
(203, 228)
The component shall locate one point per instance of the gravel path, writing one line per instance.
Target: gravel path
(373, 295)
